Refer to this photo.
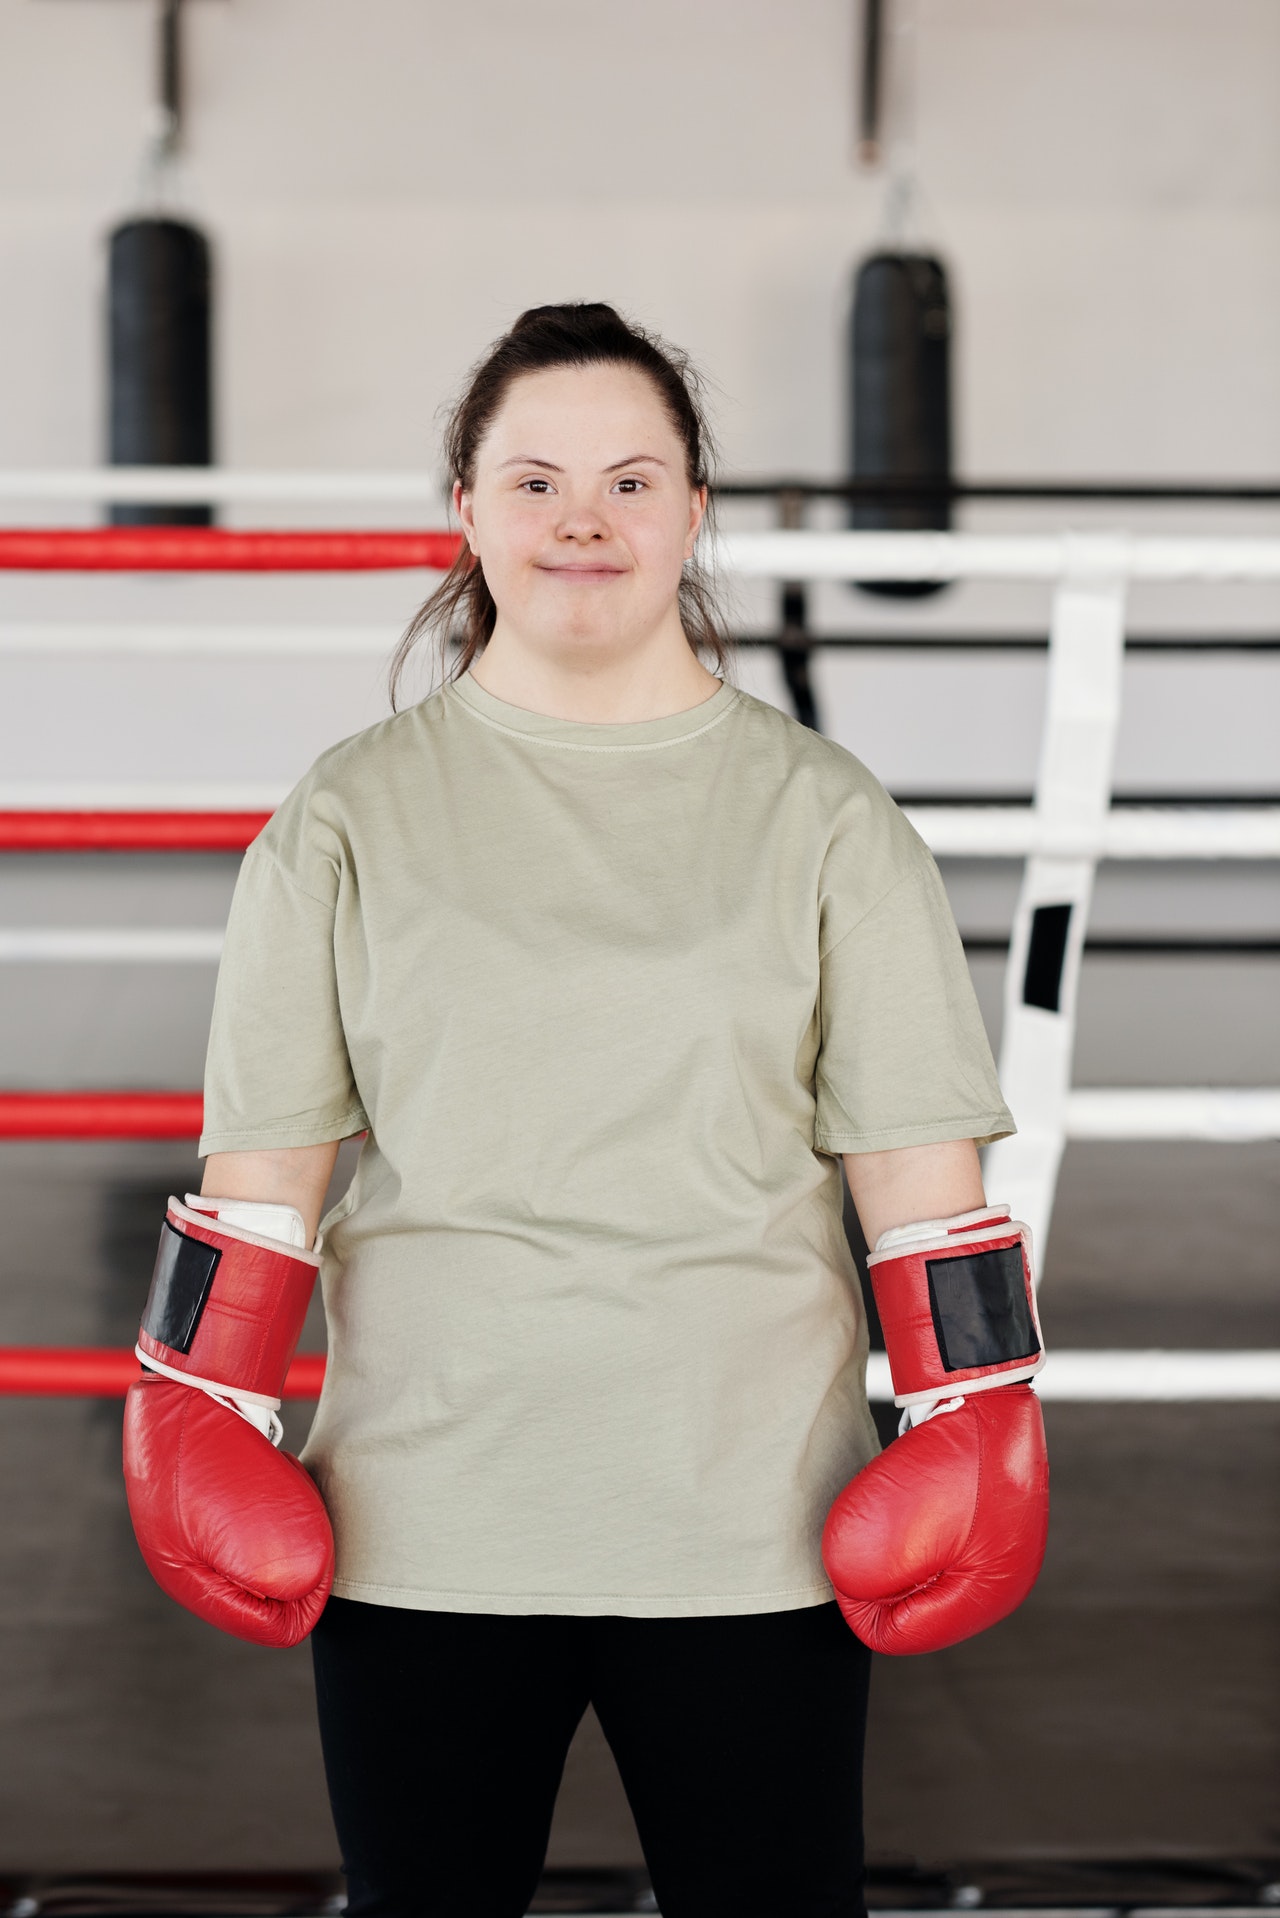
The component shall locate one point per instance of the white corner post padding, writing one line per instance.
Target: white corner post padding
(1073, 798)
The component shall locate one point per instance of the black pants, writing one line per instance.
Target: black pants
(739, 1741)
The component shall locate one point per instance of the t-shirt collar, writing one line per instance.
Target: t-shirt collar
(605, 735)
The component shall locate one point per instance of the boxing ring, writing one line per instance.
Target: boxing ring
(1060, 838)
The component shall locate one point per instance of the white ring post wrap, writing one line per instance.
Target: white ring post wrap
(957, 1304)
(1073, 798)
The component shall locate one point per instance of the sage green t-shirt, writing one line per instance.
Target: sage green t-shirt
(609, 1000)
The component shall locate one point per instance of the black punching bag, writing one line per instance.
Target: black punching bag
(160, 407)
(900, 389)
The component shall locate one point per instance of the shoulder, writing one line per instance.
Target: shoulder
(841, 796)
(367, 760)
(829, 768)
(356, 781)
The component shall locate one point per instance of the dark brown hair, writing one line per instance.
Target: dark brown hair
(585, 334)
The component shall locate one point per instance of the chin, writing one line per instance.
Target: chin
(583, 629)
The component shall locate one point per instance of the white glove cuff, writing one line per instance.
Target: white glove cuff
(283, 1223)
(899, 1236)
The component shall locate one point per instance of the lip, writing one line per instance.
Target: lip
(584, 572)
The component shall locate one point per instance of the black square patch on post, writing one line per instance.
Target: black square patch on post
(980, 1310)
(1046, 957)
(179, 1288)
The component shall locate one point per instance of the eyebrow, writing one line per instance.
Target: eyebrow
(529, 459)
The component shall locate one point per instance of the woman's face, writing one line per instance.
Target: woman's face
(581, 510)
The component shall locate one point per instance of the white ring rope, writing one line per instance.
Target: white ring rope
(1139, 1377)
(1220, 1115)
(1138, 832)
(111, 945)
(846, 556)
(179, 795)
(199, 485)
(193, 641)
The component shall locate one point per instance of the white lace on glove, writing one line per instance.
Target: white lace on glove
(921, 1414)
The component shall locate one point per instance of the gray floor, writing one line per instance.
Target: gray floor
(1131, 1709)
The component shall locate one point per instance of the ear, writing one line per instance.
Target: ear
(697, 513)
(462, 507)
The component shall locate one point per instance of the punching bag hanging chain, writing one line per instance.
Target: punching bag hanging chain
(159, 186)
(159, 311)
(169, 90)
(897, 145)
(870, 81)
(900, 330)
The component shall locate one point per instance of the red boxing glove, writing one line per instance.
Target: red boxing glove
(231, 1527)
(943, 1534)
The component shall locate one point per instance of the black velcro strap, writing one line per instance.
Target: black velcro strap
(179, 1288)
(981, 1314)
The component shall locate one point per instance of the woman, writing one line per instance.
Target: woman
(613, 962)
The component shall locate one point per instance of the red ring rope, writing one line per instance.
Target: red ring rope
(100, 1115)
(86, 1372)
(129, 831)
(215, 549)
(82, 1372)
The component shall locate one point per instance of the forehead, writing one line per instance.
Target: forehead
(582, 412)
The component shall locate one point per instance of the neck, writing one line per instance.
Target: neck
(649, 682)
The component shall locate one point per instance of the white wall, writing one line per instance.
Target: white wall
(388, 181)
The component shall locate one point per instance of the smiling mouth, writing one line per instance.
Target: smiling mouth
(585, 572)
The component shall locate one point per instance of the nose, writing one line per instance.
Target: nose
(582, 521)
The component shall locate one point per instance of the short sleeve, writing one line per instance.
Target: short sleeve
(277, 1072)
(903, 1056)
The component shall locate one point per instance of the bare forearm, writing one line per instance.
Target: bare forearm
(289, 1175)
(913, 1182)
